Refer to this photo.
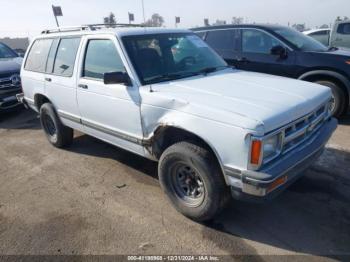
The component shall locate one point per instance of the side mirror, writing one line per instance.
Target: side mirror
(116, 78)
(279, 51)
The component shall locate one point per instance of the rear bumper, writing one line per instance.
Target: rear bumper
(267, 183)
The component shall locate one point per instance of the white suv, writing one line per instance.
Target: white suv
(165, 95)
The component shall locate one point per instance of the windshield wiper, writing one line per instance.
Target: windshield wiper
(167, 77)
(208, 70)
(174, 76)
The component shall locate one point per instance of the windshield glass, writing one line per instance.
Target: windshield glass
(6, 52)
(163, 57)
(303, 42)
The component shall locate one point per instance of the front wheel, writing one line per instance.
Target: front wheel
(338, 97)
(192, 180)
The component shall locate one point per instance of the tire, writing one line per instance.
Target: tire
(186, 164)
(338, 97)
(58, 135)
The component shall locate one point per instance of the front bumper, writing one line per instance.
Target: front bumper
(9, 103)
(268, 182)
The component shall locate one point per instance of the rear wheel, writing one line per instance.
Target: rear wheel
(192, 180)
(58, 135)
(338, 97)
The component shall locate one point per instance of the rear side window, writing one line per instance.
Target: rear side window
(344, 29)
(101, 57)
(65, 58)
(37, 57)
(222, 40)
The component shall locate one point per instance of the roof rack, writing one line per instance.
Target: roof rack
(90, 27)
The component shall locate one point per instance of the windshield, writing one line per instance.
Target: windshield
(163, 57)
(6, 52)
(301, 41)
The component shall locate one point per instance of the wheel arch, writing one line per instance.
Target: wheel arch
(340, 79)
(39, 100)
(165, 136)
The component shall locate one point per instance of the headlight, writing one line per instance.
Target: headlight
(264, 150)
(271, 146)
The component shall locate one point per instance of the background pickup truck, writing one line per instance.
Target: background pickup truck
(339, 36)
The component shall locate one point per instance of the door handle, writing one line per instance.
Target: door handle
(48, 79)
(83, 86)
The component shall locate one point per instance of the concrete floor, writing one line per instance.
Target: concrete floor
(94, 198)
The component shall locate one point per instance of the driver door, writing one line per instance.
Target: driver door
(256, 54)
(110, 112)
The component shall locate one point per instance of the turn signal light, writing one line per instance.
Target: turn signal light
(277, 183)
(255, 152)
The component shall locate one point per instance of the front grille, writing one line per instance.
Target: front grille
(6, 86)
(5, 81)
(302, 129)
(8, 74)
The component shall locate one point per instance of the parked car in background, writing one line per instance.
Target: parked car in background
(321, 35)
(10, 81)
(166, 95)
(339, 36)
(283, 51)
(20, 52)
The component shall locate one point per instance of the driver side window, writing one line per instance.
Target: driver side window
(256, 41)
(101, 57)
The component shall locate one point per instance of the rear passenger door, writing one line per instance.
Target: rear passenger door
(110, 112)
(226, 43)
(61, 78)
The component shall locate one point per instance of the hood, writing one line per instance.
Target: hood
(10, 64)
(245, 99)
(339, 52)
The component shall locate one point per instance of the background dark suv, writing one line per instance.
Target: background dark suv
(283, 51)
(10, 81)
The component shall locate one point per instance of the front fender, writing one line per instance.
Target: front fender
(229, 143)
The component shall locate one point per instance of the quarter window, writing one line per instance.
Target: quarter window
(101, 57)
(65, 58)
(37, 56)
(255, 41)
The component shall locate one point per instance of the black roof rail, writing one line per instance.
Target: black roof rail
(91, 27)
